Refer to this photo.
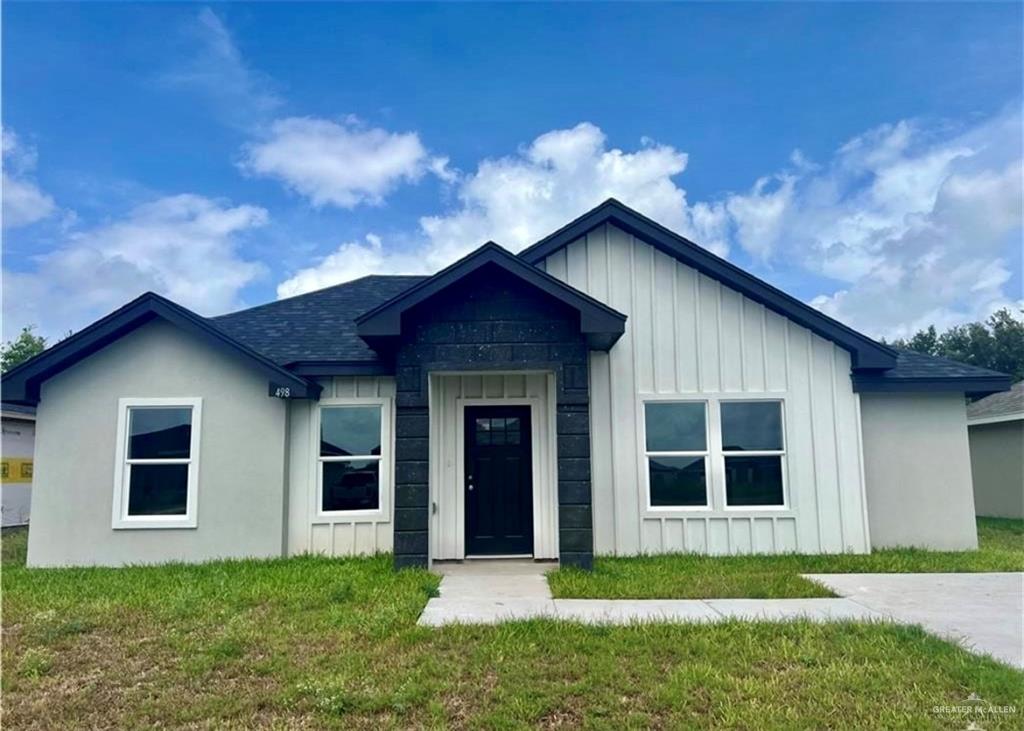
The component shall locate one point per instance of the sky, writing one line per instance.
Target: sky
(865, 158)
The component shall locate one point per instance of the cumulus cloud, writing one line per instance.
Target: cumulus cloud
(24, 202)
(915, 226)
(351, 260)
(517, 199)
(216, 69)
(182, 246)
(342, 163)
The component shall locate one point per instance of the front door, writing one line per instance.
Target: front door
(499, 481)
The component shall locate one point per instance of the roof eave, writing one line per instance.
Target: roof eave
(970, 385)
(865, 353)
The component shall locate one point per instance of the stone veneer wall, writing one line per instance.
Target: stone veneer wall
(492, 321)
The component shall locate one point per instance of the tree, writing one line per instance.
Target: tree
(25, 346)
(997, 343)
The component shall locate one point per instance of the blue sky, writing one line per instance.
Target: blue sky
(866, 158)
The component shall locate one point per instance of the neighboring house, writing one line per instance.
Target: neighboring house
(19, 429)
(996, 427)
(613, 389)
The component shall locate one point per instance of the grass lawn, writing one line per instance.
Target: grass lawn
(314, 642)
(693, 576)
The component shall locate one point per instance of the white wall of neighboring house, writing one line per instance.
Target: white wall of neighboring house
(918, 469)
(17, 446)
(997, 465)
(690, 337)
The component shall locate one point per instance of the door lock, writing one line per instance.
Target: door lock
(470, 480)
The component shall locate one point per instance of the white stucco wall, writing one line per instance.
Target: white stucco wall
(690, 337)
(337, 535)
(241, 488)
(918, 471)
(997, 467)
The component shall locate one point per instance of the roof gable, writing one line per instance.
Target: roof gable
(22, 384)
(865, 352)
(600, 324)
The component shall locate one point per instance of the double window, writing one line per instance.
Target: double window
(350, 459)
(688, 442)
(157, 463)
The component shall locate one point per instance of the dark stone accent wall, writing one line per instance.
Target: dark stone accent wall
(492, 320)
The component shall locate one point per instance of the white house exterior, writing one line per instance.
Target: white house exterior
(614, 389)
(996, 428)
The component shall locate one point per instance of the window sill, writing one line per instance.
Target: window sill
(144, 524)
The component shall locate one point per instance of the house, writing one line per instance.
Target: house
(19, 427)
(995, 425)
(613, 389)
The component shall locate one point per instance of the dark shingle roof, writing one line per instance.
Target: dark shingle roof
(917, 371)
(318, 326)
(1007, 403)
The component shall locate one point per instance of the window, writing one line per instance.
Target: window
(157, 463)
(677, 451)
(350, 458)
(752, 447)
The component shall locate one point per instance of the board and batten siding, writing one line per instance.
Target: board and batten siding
(449, 395)
(689, 336)
(337, 535)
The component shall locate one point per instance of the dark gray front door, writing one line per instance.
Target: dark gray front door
(499, 481)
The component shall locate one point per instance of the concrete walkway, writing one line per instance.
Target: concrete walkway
(489, 592)
(982, 612)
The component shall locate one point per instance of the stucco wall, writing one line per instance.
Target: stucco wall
(997, 465)
(241, 460)
(918, 471)
(689, 337)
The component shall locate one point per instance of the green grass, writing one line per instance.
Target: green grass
(693, 576)
(317, 643)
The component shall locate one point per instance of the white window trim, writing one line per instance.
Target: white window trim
(119, 511)
(715, 460)
(705, 453)
(384, 459)
(780, 453)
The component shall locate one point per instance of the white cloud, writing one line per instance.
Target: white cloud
(23, 201)
(343, 163)
(517, 199)
(215, 68)
(351, 260)
(184, 247)
(914, 225)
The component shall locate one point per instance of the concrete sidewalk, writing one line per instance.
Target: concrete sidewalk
(489, 592)
(982, 612)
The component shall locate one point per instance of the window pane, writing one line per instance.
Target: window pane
(159, 433)
(676, 427)
(678, 481)
(751, 425)
(753, 480)
(513, 430)
(351, 485)
(158, 489)
(349, 430)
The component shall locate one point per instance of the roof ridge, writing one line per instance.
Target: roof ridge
(321, 290)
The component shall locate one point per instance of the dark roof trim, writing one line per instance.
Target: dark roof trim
(865, 352)
(601, 324)
(975, 386)
(21, 385)
(340, 368)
